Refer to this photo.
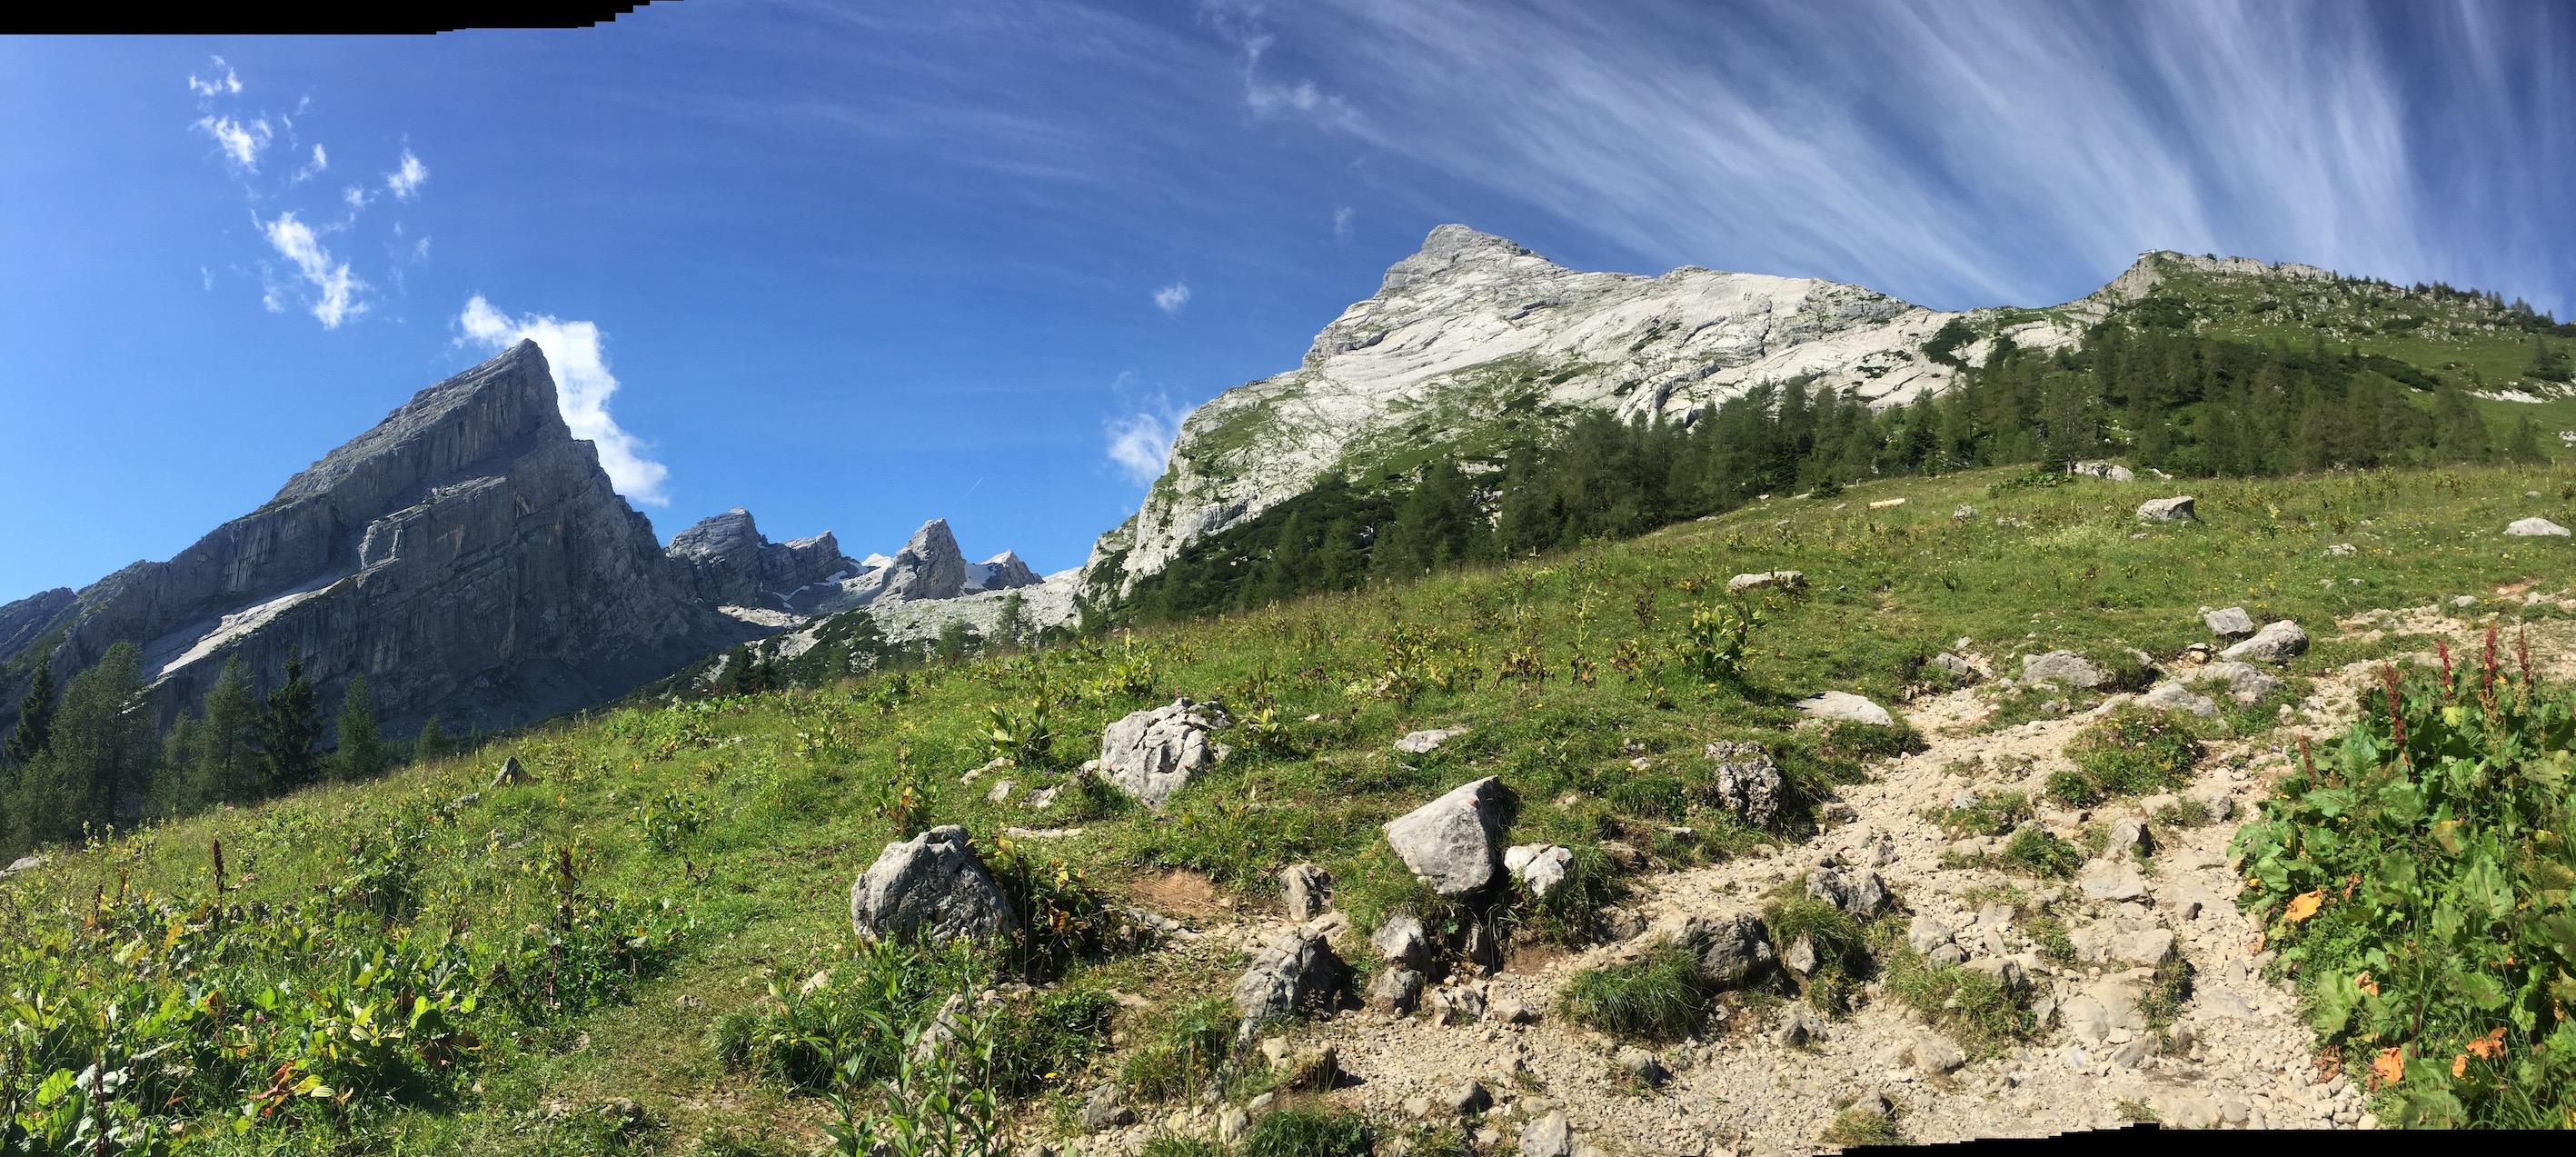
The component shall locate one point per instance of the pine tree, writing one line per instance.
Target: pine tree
(289, 725)
(35, 718)
(362, 751)
(430, 743)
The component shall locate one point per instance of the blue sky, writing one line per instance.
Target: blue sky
(857, 265)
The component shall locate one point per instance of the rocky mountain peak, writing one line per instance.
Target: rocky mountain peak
(732, 564)
(1450, 247)
(504, 405)
(928, 567)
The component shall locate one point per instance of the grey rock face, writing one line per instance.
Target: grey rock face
(929, 887)
(2065, 667)
(1547, 1136)
(468, 554)
(1450, 842)
(2535, 528)
(1426, 742)
(1396, 990)
(1152, 754)
(2230, 623)
(2276, 643)
(928, 567)
(1540, 866)
(2106, 471)
(1295, 970)
(1001, 572)
(2167, 510)
(729, 562)
(1748, 782)
(1845, 707)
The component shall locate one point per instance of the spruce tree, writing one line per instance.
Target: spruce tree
(362, 751)
(35, 718)
(104, 741)
(289, 725)
(430, 743)
(228, 763)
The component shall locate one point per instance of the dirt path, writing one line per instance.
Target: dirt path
(2237, 1054)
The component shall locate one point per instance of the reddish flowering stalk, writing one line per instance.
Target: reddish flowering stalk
(2396, 721)
(2487, 664)
(2443, 649)
(2522, 652)
(2307, 762)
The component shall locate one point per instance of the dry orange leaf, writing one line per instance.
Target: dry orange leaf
(2388, 1067)
(2490, 1046)
(2459, 1064)
(2366, 984)
(2304, 905)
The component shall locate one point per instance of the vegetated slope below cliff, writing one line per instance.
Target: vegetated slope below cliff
(750, 816)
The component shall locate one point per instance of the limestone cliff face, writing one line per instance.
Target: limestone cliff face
(468, 554)
(1473, 330)
(731, 563)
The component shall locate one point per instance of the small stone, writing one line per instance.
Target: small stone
(2102, 880)
(2465, 601)
(1510, 1011)
(1925, 933)
(2167, 510)
(1426, 742)
(1801, 955)
(1396, 990)
(1958, 668)
(2342, 550)
(1231, 1125)
(1787, 580)
(1461, 1097)
(2176, 697)
(1733, 951)
(1858, 892)
(1001, 791)
(2062, 667)
(1797, 1026)
(1540, 866)
(2129, 837)
(1963, 512)
(1642, 1065)
(1449, 842)
(1937, 1056)
(1106, 1108)
(1401, 941)
(511, 773)
(1548, 1136)
(2535, 528)
(1947, 955)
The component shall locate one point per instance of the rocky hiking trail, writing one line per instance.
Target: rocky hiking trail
(1770, 1076)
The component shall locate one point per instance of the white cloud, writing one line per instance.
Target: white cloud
(405, 181)
(1240, 21)
(241, 141)
(1171, 298)
(320, 161)
(583, 386)
(334, 288)
(1342, 223)
(1141, 443)
(229, 82)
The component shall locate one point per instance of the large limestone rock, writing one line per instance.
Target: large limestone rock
(2065, 667)
(467, 553)
(1734, 951)
(2276, 643)
(1296, 969)
(1747, 782)
(930, 887)
(1450, 842)
(2228, 622)
(1844, 707)
(1152, 754)
(2167, 510)
(2246, 683)
(2535, 528)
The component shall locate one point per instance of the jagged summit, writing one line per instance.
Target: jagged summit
(1450, 247)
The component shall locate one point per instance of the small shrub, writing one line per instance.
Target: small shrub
(1180, 1145)
(1185, 1051)
(1855, 1127)
(1991, 815)
(1591, 884)
(2037, 850)
(1652, 796)
(1309, 1131)
(1659, 997)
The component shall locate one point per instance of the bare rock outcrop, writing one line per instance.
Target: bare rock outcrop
(1152, 754)
(1450, 843)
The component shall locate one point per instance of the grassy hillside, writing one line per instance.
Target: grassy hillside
(610, 955)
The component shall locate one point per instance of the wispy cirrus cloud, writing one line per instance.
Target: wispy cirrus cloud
(300, 270)
(2016, 151)
(583, 384)
(1171, 298)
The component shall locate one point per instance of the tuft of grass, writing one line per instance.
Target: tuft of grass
(1307, 1130)
(2037, 850)
(1991, 815)
(1970, 1006)
(2132, 752)
(1185, 1051)
(1660, 996)
(1180, 1145)
(1856, 1127)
